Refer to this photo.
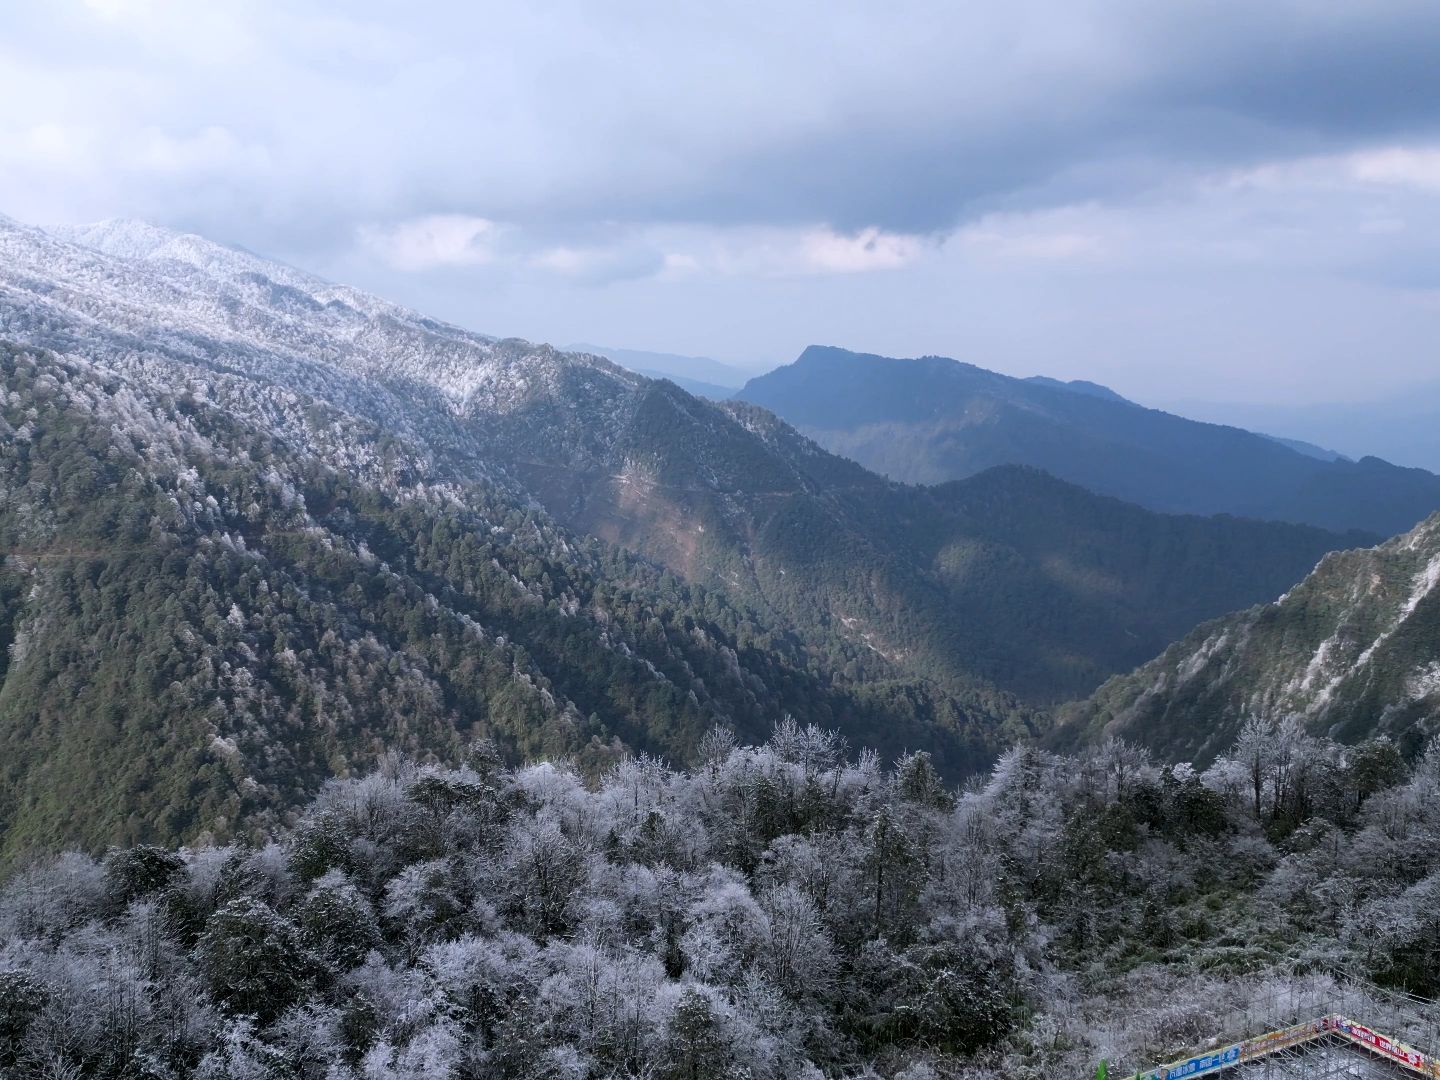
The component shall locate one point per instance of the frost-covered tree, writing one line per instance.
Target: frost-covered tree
(254, 959)
(781, 911)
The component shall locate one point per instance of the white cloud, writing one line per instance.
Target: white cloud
(620, 253)
(830, 252)
(1035, 237)
(436, 240)
(210, 150)
(1413, 167)
(51, 144)
(773, 252)
(627, 259)
(1404, 166)
(118, 10)
(680, 264)
(563, 260)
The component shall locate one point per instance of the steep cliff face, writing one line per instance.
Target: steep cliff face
(1354, 650)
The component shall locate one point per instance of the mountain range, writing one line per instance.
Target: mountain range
(259, 529)
(931, 420)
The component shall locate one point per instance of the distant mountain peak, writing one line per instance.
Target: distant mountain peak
(130, 238)
(1309, 449)
(1080, 386)
(133, 238)
(932, 419)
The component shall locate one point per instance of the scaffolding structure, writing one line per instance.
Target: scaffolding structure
(1330, 1060)
(1317, 1023)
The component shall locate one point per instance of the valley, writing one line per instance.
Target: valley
(320, 497)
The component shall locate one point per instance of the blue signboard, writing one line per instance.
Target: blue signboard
(1197, 1066)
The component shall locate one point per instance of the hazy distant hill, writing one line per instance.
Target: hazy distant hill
(933, 419)
(1401, 427)
(1078, 386)
(693, 386)
(698, 374)
(1310, 449)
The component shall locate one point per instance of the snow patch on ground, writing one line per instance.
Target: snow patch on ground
(1424, 682)
(1424, 584)
(1197, 660)
(1317, 666)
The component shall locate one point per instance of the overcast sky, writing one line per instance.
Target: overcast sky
(1218, 199)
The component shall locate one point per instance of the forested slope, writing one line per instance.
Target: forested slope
(779, 911)
(203, 625)
(1010, 578)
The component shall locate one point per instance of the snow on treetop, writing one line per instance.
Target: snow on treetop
(134, 281)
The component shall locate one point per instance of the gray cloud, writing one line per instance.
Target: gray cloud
(911, 116)
(1179, 197)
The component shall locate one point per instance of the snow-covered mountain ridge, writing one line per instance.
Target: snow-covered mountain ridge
(221, 304)
(185, 316)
